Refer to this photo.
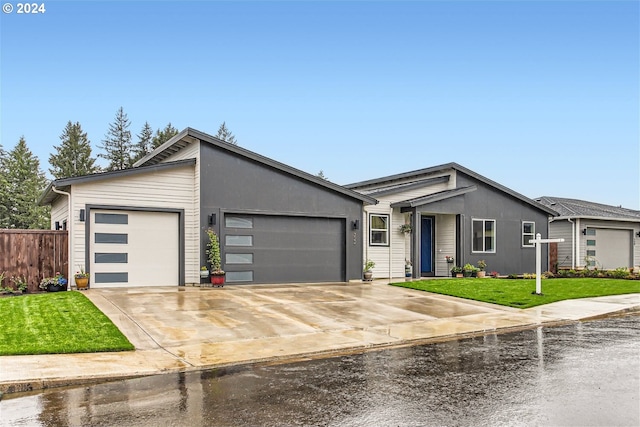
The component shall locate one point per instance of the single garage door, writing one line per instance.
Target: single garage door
(283, 249)
(134, 248)
(611, 248)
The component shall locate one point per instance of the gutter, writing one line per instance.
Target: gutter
(69, 245)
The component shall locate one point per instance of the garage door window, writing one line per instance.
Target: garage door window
(231, 240)
(109, 258)
(107, 218)
(239, 259)
(238, 222)
(117, 238)
(239, 276)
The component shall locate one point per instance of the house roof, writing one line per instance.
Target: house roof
(49, 195)
(189, 135)
(397, 179)
(435, 197)
(574, 208)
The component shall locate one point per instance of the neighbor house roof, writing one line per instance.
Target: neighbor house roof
(63, 184)
(398, 182)
(190, 135)
(573, 208)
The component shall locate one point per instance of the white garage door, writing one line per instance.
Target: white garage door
(134, 248)
(611, 248)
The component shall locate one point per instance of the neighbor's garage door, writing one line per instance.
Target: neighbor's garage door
(134, 248)
(283, 249)
(612, 247)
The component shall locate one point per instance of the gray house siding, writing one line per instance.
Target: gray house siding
(232, 185)
(563, 229)
(510, 256)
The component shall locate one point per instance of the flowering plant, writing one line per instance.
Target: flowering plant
(57, 280)
(81, 274)
(449, 259)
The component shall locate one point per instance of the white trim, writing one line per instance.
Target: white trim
(522, 234)
(495, 235)
(371, 229)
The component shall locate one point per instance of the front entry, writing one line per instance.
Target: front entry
(426, 246)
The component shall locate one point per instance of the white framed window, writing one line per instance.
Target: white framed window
(528, 233)
(378, 230)
(483, 235)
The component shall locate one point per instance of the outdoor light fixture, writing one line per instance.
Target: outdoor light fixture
(638, 234)
(81, 215)
(57, 225)
(584, 231)
(212, 219)
(355, 224)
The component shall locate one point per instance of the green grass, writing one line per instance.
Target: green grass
(518, 293)
(60, 322)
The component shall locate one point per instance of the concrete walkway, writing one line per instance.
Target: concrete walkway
(181, 329)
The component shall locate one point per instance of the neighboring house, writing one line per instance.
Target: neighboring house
(452, 212)
(595, 235)
(146, 226)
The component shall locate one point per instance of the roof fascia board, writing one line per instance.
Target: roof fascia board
(432, 198)
(599, 218)
(409, 186)
(401, 176)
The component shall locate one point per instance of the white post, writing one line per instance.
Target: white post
(539, 241)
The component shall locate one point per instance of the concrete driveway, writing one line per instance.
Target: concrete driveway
(188, 328)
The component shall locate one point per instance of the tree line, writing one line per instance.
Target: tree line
(22, 181)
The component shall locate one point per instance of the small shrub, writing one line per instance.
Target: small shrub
(619, 273)
(512, 276)
(548, 275)
(528, 275)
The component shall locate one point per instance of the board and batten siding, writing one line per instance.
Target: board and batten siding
(171, 189)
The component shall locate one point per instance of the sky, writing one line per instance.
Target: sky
(541, 96)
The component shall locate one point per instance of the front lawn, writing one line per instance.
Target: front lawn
(518, 292)
(60, 322)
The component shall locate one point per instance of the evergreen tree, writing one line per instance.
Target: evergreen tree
(73, 155)
(3, 188)
(144, 145)
(225, 134)
(321, 175)
(164, 135)
(23, 185)
(117, 143)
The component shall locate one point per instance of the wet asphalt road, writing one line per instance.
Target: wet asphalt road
(585, 374)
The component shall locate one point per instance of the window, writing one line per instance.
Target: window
(105, 218)
(483, 233)
(591, 253)
(590, 232)
(238, 222)
(239, 276)
(231, 240)
(528, 233)
(378, 230)
(591, 242)
(238, 258)
(111, 238)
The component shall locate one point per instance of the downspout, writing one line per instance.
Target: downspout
(577, 248)
(69, 243)
(390, 245)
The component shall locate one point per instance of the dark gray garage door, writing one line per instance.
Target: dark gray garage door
(283, 249)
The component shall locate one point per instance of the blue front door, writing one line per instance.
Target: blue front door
(426, 246)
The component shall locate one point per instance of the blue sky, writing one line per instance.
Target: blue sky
(540, 96)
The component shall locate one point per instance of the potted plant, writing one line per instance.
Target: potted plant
(482, 265)
(368, 274)
(204, 272)
(469, 270)
(54, 284)
(405, 228)
(456, 271)
(21, 284)
(407, 268)
(449, 259)
(82, 279)
(213, 253)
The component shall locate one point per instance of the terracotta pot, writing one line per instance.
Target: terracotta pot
(217, 279)
(481, 273)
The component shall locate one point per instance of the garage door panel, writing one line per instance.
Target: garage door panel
(290, 249)
(134, 248)
(612, 247)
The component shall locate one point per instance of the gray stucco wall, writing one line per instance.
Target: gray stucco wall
(489, 203)
(231, 183)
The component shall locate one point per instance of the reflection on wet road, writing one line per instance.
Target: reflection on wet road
(577, 375)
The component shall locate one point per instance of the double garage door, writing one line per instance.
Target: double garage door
(134, 248)
(282, 249)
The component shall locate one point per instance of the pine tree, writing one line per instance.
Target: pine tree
(3, 188)
(144, 145)
(164, 135)
(321, 175)
(225, 134)
(117, 143)
(73, 155)
(24, 183)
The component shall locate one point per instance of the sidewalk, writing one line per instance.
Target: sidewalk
(184, 329)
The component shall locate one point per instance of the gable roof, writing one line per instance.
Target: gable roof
(574, 208)
(396, 180)
(435, 197)
(189, 135)
(49, 195)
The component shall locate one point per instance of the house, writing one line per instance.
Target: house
(595, 235)
(452, 212)
(146, 226)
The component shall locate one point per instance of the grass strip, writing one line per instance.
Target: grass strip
(52, 323)
(519, 293)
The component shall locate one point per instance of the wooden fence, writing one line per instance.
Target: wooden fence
(33, 254)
